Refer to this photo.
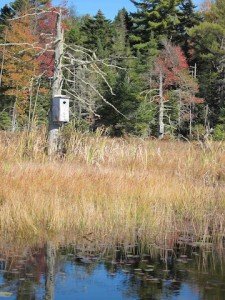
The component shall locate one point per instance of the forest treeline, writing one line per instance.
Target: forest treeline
(162, 68)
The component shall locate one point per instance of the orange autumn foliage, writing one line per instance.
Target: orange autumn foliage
(20, 65)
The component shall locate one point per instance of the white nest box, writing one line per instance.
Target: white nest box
(61, 109)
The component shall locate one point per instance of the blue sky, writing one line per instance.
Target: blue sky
(109, 7)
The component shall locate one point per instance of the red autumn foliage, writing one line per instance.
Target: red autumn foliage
(171, 62)
(46, 30)
(173, 66)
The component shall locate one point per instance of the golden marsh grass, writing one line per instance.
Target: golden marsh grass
(112, 190)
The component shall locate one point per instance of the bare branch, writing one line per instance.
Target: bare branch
(33, 14)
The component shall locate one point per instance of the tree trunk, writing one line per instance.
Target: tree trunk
(14, 116)
(179, 112)
(50, 272)
(190, 121)
(35, 104)
(30, 105)
(161, 108)
(3, 61)
(56, 87)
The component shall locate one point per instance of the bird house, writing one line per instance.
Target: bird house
(61, 109)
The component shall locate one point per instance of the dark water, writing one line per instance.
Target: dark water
(44, 273)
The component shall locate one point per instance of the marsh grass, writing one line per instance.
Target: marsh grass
(112, 191)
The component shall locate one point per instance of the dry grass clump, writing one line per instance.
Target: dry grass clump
(112, 190)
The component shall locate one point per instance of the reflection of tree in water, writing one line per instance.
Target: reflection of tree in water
(86, 257)
(50, 271)
(207, 272)
(26, 291)
(86, 267)
(134, 284)
(22, 273)
(204, 273)
(142, 289)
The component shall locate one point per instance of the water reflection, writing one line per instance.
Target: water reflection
(50, 271)
(75, 273)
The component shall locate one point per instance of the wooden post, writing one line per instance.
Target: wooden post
(53, 137)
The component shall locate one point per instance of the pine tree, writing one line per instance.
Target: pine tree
(126, 83)
(127, 22)
(154, 19)
(74, 35)
(209, 53)
(23, 5)
(120, 34)
(188, 18)
(5, 13)
(218, 11)
(98, 34)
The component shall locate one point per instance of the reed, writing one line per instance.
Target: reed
(112, 191)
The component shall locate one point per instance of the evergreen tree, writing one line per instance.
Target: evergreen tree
(120, 35)
(74, 34)
(5, 13)
(98, 34)
(124, 99)
(209, 53)
(127, 22)
(218, 12)
(23, 5)
(188, 18)
(154, 19)
(133, 42)
(126, 83)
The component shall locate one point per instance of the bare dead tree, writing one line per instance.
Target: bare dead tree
(72, 64)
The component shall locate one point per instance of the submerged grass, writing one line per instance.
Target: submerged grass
(112, 191)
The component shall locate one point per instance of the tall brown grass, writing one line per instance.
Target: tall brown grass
(112, 191)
